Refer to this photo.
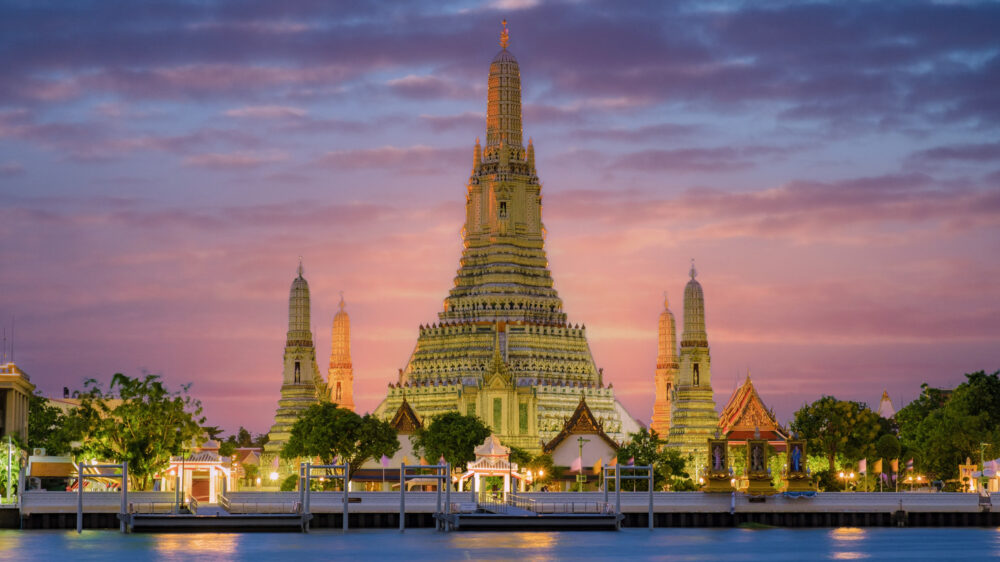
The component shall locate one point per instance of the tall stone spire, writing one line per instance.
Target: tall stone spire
(503, 112)
(693, 417)
(504, 298)
(341, 373)
(301, 383)
(299, 330)
(666, 370)
(694, 313)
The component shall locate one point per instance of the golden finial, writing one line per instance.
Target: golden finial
(504, 35)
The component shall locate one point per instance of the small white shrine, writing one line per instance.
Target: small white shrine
(493, 459)
(205, 473)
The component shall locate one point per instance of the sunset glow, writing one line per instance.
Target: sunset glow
(834, 170)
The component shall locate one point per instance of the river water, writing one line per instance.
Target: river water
(845, 543)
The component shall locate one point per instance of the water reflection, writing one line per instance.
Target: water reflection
(219, 544)
(843, 537)
(535, 540)
(848, 534)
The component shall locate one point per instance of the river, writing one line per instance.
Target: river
(846, 543)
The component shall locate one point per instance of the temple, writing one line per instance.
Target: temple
(693, 418)
(341, 373)
(885, 407)
(301, 386)
(746, 416)
(503, 348)
(666, 371)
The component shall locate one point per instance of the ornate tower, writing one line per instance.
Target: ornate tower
(693, 419)
(301, 385)
(502, 348)
(341, 374)
(666, 370)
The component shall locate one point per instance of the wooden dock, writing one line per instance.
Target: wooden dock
(259, 510)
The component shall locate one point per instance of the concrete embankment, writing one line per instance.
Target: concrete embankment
(57, 510)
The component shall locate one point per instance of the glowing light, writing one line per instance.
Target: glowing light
(274, 476)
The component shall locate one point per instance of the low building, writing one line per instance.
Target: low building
(15, 394)
(582, 447)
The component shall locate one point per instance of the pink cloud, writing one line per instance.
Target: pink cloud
(267, 112)
(235, 160)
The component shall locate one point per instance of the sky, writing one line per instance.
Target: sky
(833, 168)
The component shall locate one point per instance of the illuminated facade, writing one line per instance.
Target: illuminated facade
(693, 419)
(666, 371)
(301, 385)
(341, 373)
(503, 348)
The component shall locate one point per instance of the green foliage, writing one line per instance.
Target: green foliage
(226, 449)
(940, 432)
(646, 447)
(13, 448)
(518, 455)
(827, 481)
(452, 435)
(326, 431)
(546, 465)
(136, 420)
(887, 448)
(47, 427)
(833, 426)
(290, 483)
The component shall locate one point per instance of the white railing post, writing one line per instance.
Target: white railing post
(402, 497)
(79, 496)
(308, 513)
(447, 494)
(124, 515)
(302, 487)
(650, 497)
(604, 481)
(347, 472)
(618, 489)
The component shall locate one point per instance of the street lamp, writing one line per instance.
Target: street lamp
(846, 477)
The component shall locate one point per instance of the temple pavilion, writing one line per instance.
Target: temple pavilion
(503, 348)
(745, 414)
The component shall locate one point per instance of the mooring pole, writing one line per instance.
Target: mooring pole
(308, 513)
(347, 472)
(604, 479)
(402, 497)
(79, 496)
(437, 523)
(447, 496)
(123, 525)
(618, 488)
(650, 497)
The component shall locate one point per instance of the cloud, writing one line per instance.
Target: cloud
(466, 121)
(424, 159)
(429, 87)
(661, 131)
(982, 152)
(267, 112)
(721, 159)
(11, 168)
(235, 160)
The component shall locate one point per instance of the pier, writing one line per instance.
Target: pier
(245, 511)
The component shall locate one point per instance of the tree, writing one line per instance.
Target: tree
(646, 447)
(941, 429)
(833, 426)
(47, 426)
(326, 431)
(887, 448)
(453, 436)
(136, 420)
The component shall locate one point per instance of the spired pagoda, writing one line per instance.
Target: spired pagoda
(693, 419)
(301, 385)
(341, 372)
(746, 416)
(666, 371)
(502, 348)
